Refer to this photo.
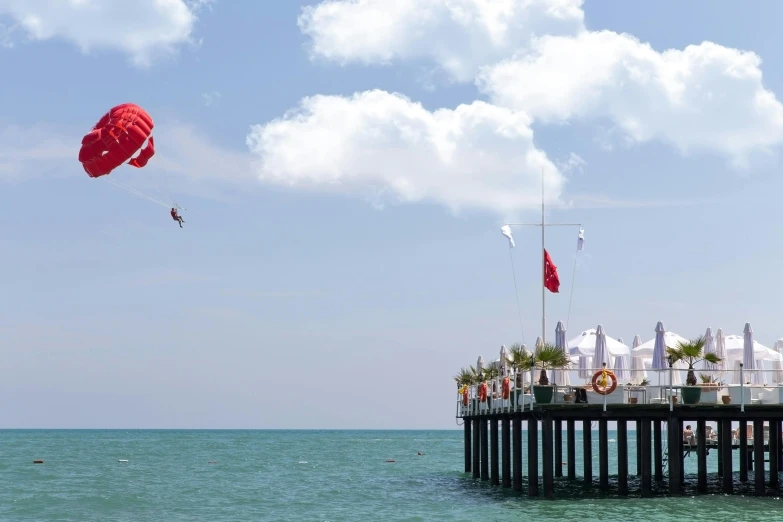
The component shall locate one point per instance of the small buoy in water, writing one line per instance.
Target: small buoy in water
(212, 462)
(123, 460)
(38, 461)
(390, 460)
(421, 454)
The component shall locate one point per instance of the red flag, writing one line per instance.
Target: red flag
(551, 280)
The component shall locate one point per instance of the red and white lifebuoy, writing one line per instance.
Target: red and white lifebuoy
(483, 392)
(506, 388)
(600, 387)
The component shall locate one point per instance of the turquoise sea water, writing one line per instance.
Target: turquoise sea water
(302, 475)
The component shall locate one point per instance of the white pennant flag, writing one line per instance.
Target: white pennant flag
(506, 231)
(581, 241)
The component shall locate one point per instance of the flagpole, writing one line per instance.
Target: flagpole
(543, 265)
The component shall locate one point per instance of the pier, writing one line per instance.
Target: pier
(494, 436)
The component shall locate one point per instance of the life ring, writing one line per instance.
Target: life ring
(506, 388)
(600, 388)
(483, 392)
(464, 395)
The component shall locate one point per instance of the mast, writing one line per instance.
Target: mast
(543, 264)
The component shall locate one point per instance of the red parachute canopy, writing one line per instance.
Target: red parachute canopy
(117, 136)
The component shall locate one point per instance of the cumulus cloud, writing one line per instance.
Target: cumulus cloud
(705, 97)
(537, 56)
(458, 35)
(143, 29)
(383, 145)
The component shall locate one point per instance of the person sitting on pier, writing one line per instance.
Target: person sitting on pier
(688, 436)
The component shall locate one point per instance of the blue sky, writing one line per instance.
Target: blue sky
(338, 266)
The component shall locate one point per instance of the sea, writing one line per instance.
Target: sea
(312, 475)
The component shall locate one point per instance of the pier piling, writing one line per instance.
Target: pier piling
(603, 455)
(484, 450)
(468, 456)
(758, 450)
(506, 450)
(532, 457)
(587, 444)
(517, 449)
(495, 440)
(622, 457)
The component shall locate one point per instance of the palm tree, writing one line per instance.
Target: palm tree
(520, 360)
(547, 357)
(466, 376)
(519, 356)
(692, 352)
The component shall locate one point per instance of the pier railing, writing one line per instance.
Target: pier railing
(666, 390)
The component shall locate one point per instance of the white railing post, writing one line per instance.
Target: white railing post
(671, 391)
(742, 388)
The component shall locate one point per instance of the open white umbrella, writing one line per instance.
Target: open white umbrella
(777, 366)
(584, 345)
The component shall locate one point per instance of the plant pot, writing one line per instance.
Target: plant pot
(633, 400)
(568, 398)
(675, 399)
(726, 399)
(691, 394)
(543, 394)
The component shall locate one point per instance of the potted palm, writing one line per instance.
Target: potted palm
(692, 352)
(466, 377)
(547, 357)
(520, 361)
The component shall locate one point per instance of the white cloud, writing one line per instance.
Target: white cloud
(210, 97)
(143, 29)
(459, 35)
(704, 98)
(536, 56)
(383, 145)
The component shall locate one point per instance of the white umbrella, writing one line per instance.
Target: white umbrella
(709, 347)
(777, 366)
(600, 354)
(620, 366)
(638, 372)
(561, 377)
(734, 346)
(720, 348)
(584, 345)
(646, 350)
(659, 350)
(748, 355)
(504, 360)
(584, 367)
(536, 371)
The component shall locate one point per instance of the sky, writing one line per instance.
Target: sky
(346, 167)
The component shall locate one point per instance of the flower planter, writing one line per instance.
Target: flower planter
(691, 394)
(633, 400)
(726, 399)
(543, 394)
(568, 398)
